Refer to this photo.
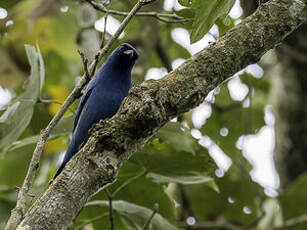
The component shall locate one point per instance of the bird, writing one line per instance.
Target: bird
(102, 97)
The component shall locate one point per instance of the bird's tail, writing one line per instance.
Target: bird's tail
(59, 171)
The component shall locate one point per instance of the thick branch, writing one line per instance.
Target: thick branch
(150, 105)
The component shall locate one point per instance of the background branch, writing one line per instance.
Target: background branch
(163, 55)
(48, 101)
(155, 210)
(168, 18)
(111, 217)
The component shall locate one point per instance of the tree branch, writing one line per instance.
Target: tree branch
(18, 212)
(49, 101)
(152, 104)
(168, 18)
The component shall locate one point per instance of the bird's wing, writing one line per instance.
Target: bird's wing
(83, 101)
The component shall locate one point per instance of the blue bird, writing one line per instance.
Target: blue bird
(102, 97)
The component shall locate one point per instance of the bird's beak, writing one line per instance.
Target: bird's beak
(129, 52)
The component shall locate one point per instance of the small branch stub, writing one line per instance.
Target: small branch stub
(155, 210)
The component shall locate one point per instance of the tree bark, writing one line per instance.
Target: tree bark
(152, 104)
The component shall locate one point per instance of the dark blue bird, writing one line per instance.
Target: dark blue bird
(102, 97)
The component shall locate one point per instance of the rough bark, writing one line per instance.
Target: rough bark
(150, 105)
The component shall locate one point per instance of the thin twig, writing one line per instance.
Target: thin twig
(18, 212)
(111, 217)
(168, 18)
(96, 60)
(155, 210)
(104, 29)
(85, 64)
(16, 188)
(48, 101)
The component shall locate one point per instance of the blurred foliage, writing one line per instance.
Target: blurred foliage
(173, 170)
(19, 112)
(206, 14)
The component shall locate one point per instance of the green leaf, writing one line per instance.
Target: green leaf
(61, 35)
(261, 85)
(60, 68)
(166, 160)
(132, 186)
(62, 128)
(225, 24)
(14, 166)
(142, 191)
(62, 30)
(178, 136)
(177, 51)
(41, 69)
(231, 115)
(207, 12)
(193, 178)
(137, 214)
(19, 113)
(5, 208)
(186, 13)
(237, 191)
(223, 98)
(185, 2)
(7, 5)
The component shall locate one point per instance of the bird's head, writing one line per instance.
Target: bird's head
(124, 55)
